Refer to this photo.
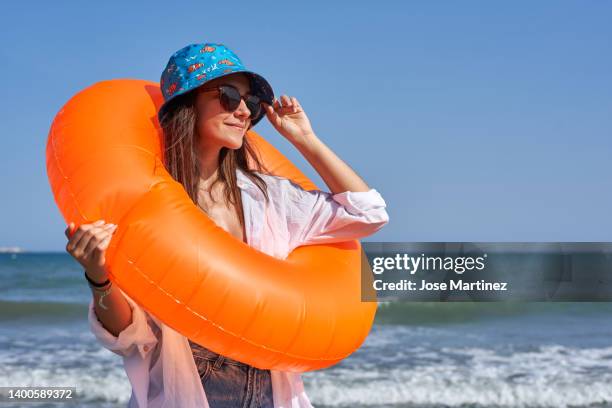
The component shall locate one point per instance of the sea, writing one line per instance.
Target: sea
(417, 354)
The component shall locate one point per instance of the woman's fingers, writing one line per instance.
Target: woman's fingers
(80, 247)
(79, 233)
(76, 237)
(89, 242)
(276, 104)
(295, 104)
(272, 114)
(82, 242)
(286, 101)
(286, 104)
(286, 114)
(98, 236)
(269, 108)
(68, 231)
(99, 252)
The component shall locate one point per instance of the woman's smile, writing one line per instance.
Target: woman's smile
(241, 127)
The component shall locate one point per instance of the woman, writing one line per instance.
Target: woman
(211, 101)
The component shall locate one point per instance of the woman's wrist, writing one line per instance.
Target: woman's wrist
(306, 142)
(98, 276)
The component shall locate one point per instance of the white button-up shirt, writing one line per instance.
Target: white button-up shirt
(158, 360)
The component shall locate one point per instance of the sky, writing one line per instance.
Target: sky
(475, 120)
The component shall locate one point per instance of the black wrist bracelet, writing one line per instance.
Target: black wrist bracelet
(94, 284)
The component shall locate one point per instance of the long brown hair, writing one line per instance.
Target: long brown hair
(180, 155)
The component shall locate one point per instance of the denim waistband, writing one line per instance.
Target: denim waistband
(206, 354)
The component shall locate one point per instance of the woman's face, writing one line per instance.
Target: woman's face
(216, 127)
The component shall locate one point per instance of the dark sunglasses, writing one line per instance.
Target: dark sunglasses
(230, 97)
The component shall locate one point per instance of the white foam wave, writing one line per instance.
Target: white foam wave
(96, 376)
(551, 376)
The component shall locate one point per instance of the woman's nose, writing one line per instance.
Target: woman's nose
(243, 110)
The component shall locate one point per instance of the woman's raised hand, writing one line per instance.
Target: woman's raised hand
(289, 119)
(88, 245)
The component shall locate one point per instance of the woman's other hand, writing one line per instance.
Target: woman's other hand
(88, 246)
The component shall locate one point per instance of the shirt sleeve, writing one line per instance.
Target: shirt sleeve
(138, 336)
(317, 217)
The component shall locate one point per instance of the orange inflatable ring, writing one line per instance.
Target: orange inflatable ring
(104, 162)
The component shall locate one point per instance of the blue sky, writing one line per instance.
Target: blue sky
(477, 121)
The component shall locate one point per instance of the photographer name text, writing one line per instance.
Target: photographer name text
(458, 284)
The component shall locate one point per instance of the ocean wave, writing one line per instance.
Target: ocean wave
(548, 376)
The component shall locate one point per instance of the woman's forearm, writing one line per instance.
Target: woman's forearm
(338, 176)
(118, 316)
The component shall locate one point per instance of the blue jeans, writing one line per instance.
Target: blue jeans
(231, 384)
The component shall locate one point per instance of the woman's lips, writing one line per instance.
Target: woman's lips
(236, 126)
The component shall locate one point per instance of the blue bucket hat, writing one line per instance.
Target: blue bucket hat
(196, 64)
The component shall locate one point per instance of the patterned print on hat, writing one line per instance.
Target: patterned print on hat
(196, 64)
